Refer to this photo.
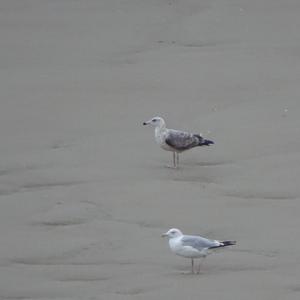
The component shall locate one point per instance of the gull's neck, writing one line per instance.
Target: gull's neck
(175, 237)
(160, 127)
(174, 242)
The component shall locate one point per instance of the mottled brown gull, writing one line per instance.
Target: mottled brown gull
(175, 141)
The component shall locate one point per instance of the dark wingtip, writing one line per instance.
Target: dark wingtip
(229, 243)
(208, 142)
(224, 244)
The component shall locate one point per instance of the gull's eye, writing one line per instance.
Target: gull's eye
(154, 120)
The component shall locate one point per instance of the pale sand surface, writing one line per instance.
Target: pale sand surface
(84, 191)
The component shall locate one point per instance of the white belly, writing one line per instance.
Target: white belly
(186, 251)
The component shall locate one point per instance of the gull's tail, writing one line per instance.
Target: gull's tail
(224, 244)
(203, 142)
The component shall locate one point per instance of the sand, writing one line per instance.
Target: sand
(85, 194)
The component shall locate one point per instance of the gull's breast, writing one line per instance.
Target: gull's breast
(160, 138)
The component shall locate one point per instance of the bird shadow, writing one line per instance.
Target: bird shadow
(212, 163)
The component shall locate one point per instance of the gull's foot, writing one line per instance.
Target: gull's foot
(188, 273)
(171, 167)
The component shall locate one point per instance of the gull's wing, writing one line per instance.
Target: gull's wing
(199, 242)
(181, 140)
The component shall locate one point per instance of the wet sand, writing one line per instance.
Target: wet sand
(85, 194)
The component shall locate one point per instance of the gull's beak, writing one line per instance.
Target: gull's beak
(146, 123)
(164, 234)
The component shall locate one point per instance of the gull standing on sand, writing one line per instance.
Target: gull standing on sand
(193, 246)
(175, 140)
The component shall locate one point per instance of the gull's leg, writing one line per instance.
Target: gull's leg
(192, 265)
(174, 162)
(177, 159)
(174, 159)
(200, 263)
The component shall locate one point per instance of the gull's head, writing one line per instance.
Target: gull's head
(156, 121)
(172, 233)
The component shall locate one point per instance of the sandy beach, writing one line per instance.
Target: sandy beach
(84, 191)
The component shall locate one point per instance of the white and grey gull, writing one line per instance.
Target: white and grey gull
(175, 141)
(193, 246)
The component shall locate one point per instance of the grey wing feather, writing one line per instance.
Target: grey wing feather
(181, 140)
(198, 242)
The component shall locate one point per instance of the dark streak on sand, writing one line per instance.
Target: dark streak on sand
(38, 186)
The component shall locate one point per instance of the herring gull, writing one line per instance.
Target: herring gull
(175, 140)
(192, 246)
